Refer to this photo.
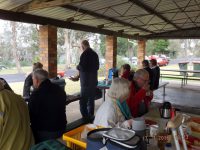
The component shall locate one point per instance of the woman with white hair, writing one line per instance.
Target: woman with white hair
(115, 111)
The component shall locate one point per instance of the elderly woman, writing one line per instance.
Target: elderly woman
(15, 131)
(114, 111)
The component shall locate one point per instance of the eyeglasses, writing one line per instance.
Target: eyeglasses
(144, 79)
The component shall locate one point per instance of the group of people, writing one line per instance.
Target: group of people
(39, 118)
(40, 114)
(129, 96)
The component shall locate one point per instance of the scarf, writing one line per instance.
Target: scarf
(124, 109)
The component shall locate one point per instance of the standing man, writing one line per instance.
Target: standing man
(88, 67)
(156, 73)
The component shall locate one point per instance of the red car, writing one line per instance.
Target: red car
(60, 73)
(162, 61)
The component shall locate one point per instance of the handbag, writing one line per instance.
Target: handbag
(114, 139)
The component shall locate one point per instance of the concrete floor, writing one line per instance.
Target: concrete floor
(187, 99)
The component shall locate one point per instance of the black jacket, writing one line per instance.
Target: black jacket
(47, 108)
(156, 77)
(27, 86)
(149, 70)
(88, 67)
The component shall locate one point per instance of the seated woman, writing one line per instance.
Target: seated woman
(125, 71)
(15, 131)
(114, 111)
(140, 93)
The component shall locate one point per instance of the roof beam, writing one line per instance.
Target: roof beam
(27, 18)
(40, 4)
(154, 12)
(88, 12)
(189, 33)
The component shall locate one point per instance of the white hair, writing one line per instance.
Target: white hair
(141, 73)
(119, 88)
(41, 74)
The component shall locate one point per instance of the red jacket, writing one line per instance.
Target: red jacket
(126, 74)
(136, 97)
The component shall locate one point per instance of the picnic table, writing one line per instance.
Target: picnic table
(185, 77)
(102, 86)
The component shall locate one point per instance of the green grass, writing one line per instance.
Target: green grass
(26, 69)
(70, 88)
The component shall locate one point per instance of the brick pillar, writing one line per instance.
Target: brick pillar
(111, 52)
(141, 52)
(48, 49)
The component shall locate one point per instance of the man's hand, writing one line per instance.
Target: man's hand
(146, 87)
(76, 78)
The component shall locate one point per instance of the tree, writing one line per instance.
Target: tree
(161, 45)
(14, 46)
(157, 46)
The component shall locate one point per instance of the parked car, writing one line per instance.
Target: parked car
(134, 60)
(2, 67)
(161, 59)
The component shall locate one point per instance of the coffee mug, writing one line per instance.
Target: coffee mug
(138, 124)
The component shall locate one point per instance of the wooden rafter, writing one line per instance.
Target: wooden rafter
(176, 34)
(27, 18)
(92, 13)
(154, 12)
(40, 4)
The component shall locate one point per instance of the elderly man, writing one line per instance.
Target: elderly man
(28, 83)
(47, 108)
(88, 67)
(15, 131)
(140, 94)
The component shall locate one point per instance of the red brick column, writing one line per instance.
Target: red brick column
(141, 52)
(48, 49)
(111, 52)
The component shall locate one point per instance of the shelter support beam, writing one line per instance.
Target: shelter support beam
(111, 52)
(141, 52)
(48, 49)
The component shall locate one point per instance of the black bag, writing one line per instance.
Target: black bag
(114, 139)
(95, 139)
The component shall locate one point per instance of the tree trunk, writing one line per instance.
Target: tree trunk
(14, 46)
(67, 49)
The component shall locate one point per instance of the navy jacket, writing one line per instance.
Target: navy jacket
(47, 108)
(88, 67)
(149, 70)
(156, 77)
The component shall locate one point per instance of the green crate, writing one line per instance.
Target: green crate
(50, 145)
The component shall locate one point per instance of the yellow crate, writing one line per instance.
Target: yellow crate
(73, 139)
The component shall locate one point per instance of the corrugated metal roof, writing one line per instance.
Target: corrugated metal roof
(10, 4)
(55, 13)
(124, 11)
(99, 4)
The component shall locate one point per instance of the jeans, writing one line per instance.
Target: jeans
(87, 101)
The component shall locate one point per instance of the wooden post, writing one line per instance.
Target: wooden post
(141, 52)
(111, 52)
(48, 49)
